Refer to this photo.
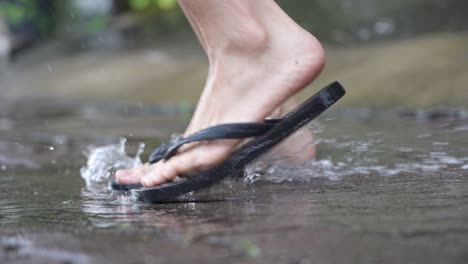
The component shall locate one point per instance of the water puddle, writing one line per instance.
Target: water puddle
(376, 178)
(384, 153)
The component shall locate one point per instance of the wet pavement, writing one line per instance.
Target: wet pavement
(389, 185)
(385, 189)
(419, 72)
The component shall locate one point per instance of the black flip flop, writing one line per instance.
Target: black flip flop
(267, 135)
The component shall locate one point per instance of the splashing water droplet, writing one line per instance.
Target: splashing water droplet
(104, 161)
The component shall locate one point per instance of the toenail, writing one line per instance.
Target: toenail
(145, 181)
(122, 173)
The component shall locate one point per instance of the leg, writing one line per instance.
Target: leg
(259, 57)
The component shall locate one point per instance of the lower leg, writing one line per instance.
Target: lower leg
(258, 59)
(242, 35)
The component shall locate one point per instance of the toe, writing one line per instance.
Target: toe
(157, 175)
(200, 158)
(131, 175)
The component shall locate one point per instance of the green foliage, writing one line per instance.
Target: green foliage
(27, 11)
(16, 13)
(141, 5)
(96, 24)
(166, 4)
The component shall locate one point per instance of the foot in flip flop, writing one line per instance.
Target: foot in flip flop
(265, 135)
(261, 61)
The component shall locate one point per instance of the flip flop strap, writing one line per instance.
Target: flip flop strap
(224, 131)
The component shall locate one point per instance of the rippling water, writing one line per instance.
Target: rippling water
(378, 183)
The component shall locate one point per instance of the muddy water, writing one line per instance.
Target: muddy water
(384, 189)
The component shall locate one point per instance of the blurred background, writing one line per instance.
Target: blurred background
(402, 54)
(389, 183)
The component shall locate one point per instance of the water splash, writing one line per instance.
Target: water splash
(375, 154)
(337, 169)
(104, 161)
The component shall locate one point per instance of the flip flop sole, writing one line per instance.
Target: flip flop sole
(118, 187)
(290, 123)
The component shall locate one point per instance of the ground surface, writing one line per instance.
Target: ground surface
(384, 190)
(426, 71)
(388, 186)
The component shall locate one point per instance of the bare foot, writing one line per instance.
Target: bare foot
(250, 76)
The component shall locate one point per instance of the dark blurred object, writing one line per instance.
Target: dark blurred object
(120, 6)
(110, 24)
(351, 21)
(29, 22)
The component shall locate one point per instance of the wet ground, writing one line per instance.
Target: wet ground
(419, 72)
(389, 185)
(386, 188)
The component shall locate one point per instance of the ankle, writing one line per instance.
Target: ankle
(250, 39)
